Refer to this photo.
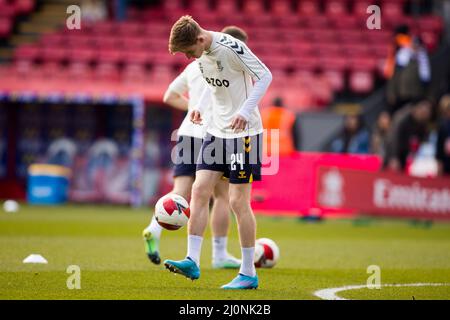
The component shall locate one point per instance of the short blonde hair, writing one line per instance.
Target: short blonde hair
(183, 34)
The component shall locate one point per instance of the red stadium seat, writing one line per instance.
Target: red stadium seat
(79, 70)
(107, 43)
(392, 9)
(280, 62)
(323, 35)
(82, 55)
(377, 36)
(251, 7)
(315, 21)
(5, 27)
(359, 7)
(198, 6)
(430, 40)
(356, 49)
(133, 43)
(350, 36)
(110, 55)
(105, 28)
(58, 55)
(28, 52)
(305, 63)
(362, 63)
(24, 6)
(53, 39)
(129, 29)
(335, 7)
(308, 7)
(335, 78)
(171, 5)
(140, 57)
(288, 22)
(281, 8)
(328, 49)
(347, 21)
(301, 48)
(106, 71)
(431, 24)
(339, 63)
(7, 10)
(224, 8)
(361, 82)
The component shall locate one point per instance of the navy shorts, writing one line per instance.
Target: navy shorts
(238, 158)
(187, 151)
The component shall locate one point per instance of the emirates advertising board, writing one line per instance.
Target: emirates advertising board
(382, 193)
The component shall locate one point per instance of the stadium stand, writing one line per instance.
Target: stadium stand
(324, 42)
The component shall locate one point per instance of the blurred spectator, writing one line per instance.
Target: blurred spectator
(93, 11)
(62, 152)
(408, 70)
(278, 117)
(409, 129)
(443, 140)
(354, 137)
(378, 143)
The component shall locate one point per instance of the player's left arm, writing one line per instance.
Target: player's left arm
(248, 62)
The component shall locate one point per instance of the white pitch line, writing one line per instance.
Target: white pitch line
(331, 293)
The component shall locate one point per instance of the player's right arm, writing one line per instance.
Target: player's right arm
(175, 93)
(204, 103)
(176, 100)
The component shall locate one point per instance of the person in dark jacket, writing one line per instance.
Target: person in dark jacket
(443, 141)
(407, 134)
(354, 137)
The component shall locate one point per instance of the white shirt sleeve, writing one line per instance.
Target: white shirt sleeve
(180, 84)
(259, 90)
(246, 61)
(204, 101)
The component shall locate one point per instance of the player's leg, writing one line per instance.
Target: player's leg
(202, 190)
(244, 168)
(152, 234)
(220, 222)
(240, 204)
(187, 150)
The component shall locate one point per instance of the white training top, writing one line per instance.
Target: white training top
(190, 81)
(230, 69)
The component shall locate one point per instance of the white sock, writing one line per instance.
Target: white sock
(155, 228)
(194, 248)
(248, 265)
(219, 248)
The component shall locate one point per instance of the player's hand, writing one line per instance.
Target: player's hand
(238, 124)
(196, 117)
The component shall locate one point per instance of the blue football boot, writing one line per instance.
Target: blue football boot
(186, 267)
(242, 282)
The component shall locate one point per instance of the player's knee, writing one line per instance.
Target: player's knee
(239, 204)
(200, 192)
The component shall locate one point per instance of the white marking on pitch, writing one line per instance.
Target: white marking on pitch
(331, 293)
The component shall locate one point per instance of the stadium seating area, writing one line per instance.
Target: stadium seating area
(9, 11)
(315, 49)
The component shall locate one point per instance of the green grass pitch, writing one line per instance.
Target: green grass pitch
(106, 243)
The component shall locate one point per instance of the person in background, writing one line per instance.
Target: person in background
(379, 134)
(443, 140)
(278, 117)
(407, 134)
(408, 70)
(93, 11)
(354, 137)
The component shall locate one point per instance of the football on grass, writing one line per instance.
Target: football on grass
(172, 211)
(267, 253)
